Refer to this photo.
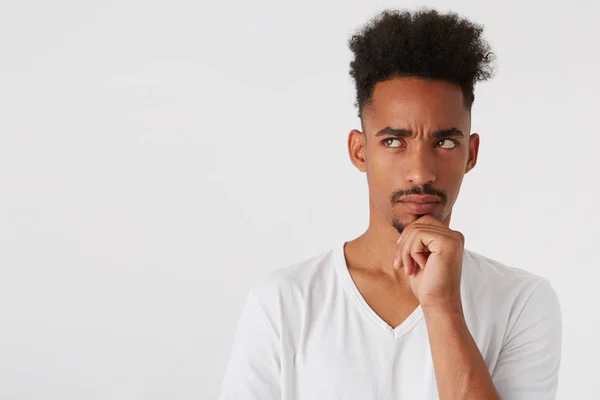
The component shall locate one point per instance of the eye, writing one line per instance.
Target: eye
(385, 141)
(452, 142)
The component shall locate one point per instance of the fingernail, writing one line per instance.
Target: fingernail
(396, 262)
(398, 241)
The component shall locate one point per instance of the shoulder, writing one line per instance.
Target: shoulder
(484, 273)
(491, 285)
(295, 281)
(516, 320)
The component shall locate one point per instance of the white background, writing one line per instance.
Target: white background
(157, 158)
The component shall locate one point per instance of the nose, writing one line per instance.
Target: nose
(420, 167)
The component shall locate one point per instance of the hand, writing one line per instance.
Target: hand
(432, 255)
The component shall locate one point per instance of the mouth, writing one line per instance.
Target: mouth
(420, 207)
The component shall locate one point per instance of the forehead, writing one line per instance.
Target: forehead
(415, 103)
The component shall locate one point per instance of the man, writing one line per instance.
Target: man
(404, 311)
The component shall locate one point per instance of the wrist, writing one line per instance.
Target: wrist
(446, 309)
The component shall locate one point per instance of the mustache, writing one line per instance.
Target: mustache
(416, 190)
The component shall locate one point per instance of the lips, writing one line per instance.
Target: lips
(421, 199)
(420, 204)
(420, 208)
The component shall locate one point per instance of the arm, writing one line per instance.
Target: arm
(529, 361)
(460, 371)
(432, 255)
(527, 367)
(253, 371)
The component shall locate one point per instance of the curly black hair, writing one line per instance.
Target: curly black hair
(424, 44)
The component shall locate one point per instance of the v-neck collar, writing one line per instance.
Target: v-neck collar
(409, 323)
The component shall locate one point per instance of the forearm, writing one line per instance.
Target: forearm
(460, 371)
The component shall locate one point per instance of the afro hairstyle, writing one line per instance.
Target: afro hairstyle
(424, 44)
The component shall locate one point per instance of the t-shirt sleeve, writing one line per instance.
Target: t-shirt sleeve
(529, 361)
(253, 370)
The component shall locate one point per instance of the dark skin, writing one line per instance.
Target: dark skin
(396, 165)
(406, 258)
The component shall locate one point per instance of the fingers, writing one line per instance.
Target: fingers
(399, 262)
(411, 251)
(417, 252)
(407, 260)
(414, 251)
(404, 251)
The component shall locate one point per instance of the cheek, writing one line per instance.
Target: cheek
(451, 172)
(452, 165)
(382, 167)
(453, 188)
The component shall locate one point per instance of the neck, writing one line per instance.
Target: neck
(376, 248)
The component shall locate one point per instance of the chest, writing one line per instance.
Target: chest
(392, 302)
(364, 364)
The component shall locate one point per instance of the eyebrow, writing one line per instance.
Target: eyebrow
(440, 133)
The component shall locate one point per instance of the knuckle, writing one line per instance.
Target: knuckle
(458, 235)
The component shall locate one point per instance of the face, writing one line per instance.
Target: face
(416, 141)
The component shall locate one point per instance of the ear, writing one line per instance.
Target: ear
(356, 149)
(473, 152)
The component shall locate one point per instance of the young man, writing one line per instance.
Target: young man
(404, 311)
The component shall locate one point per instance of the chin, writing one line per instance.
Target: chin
(400, 223)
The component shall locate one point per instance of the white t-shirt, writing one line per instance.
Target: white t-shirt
(306, 333)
